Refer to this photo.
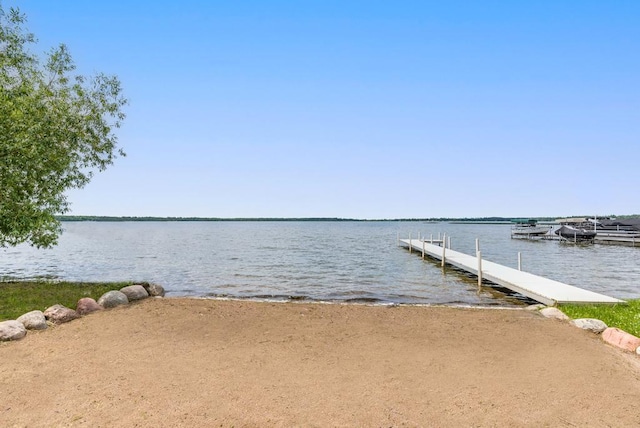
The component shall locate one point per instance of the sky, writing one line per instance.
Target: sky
(361, 109)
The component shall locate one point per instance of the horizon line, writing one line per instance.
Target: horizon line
(198, 218)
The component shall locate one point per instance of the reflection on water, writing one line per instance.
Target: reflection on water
(343, 261)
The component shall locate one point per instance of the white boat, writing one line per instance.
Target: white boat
(527, 227)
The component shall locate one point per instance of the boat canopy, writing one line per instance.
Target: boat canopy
(524, 221)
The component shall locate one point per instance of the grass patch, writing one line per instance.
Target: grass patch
(625, 317)
(18, 298)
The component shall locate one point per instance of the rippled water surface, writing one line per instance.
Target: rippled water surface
(337, 261)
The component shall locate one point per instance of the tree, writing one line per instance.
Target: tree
(56, 130)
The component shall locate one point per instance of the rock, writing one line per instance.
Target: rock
(12, 330)
(554, 313)
(113, 298)
(34, 320)
(621, 339)
(86, 305)
(135, 292)
(590, 324)
(154, 290)
(535, 307)
(60, 314)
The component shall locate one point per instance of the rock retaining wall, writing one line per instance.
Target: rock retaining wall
(613, 336)
(58, 314)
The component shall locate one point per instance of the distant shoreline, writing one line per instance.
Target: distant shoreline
(479, 220)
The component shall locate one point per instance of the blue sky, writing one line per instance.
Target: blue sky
(362, 109)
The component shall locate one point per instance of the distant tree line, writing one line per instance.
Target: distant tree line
(134, 218)
(426, 219)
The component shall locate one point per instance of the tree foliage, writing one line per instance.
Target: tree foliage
(56, 130)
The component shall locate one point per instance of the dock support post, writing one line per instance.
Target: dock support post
(519, 260)
(444, 250)
(477, 245)
(423, 250)
(431, 240)
(479, 256)
(449, 242)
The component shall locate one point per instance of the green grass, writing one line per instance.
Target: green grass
(17, 298)
(625, 317)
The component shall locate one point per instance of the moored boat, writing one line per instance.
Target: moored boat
(528, 227)
(575, 234)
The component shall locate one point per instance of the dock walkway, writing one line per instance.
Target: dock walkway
(538, 288)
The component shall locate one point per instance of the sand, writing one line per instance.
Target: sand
(189, 362)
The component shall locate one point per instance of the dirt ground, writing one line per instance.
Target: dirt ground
(208, 363)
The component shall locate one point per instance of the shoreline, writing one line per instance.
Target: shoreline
(302, 301)
(193, 361)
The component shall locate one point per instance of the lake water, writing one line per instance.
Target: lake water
(328, 261)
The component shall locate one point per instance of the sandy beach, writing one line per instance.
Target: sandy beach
(187, 362)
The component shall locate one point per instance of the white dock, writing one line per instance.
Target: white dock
(538, 288)
(613, 238)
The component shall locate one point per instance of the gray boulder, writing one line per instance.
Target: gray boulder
(60, 314)
(113, 298)
(135, 292)
(154, 290)
(86, 305)
(34, 320)
(12, 330)
(590, 324)
(554, 313)
(535, 307)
